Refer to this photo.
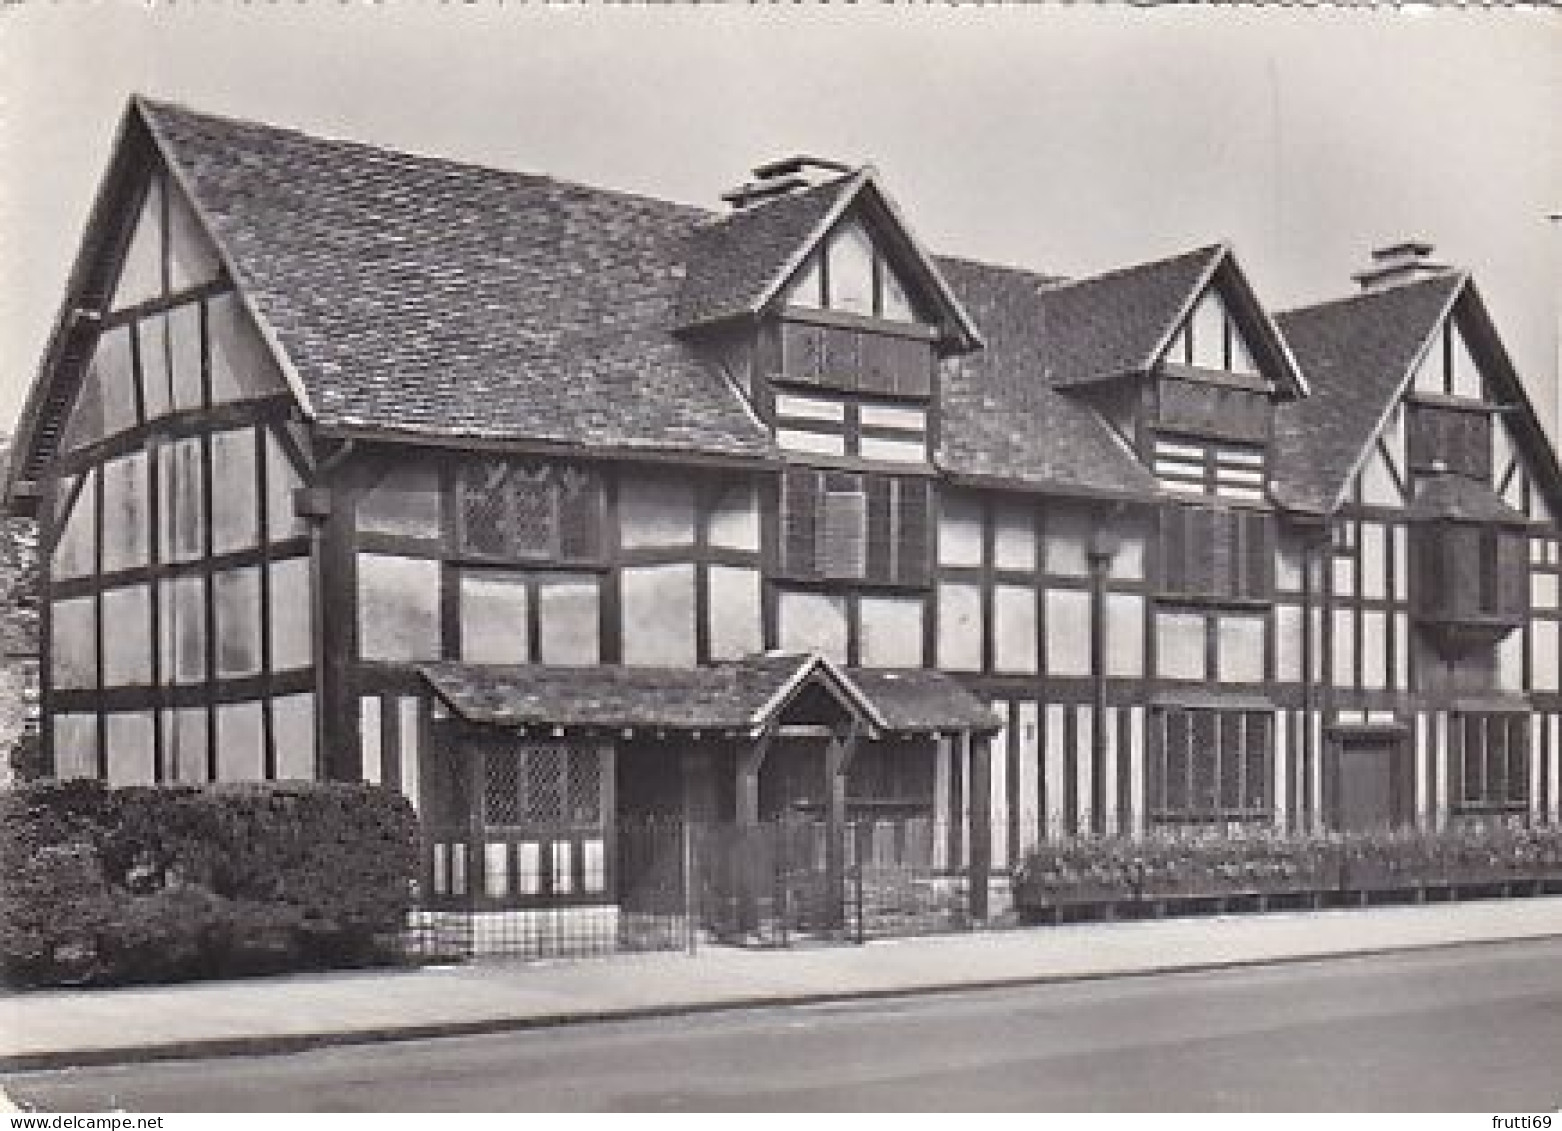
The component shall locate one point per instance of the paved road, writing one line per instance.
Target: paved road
(1469, 1029)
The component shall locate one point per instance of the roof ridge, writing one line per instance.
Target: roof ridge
(160, 106)
(1130, 268)
(1444, 275)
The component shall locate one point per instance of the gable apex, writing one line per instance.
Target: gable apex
(739, 265)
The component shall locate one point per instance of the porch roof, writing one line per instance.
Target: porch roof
(734, 696)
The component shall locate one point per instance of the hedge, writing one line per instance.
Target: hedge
(1115, 869)
(151, 883)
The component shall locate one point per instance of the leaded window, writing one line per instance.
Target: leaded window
(1490, 755)
(1210, 553)
(855, 526)
(542, 784)
(515, 511)
(1211, 765)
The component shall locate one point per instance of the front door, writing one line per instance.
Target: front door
(1371, 787)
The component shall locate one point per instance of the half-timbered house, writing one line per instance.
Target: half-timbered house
(557, 507)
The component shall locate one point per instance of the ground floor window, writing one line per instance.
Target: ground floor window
(529, 784)
(1490, 762)
(1211, 765)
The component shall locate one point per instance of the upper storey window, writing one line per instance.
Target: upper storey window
(1211, 339)
(516, 511)
(849, 273)
(1450, 420)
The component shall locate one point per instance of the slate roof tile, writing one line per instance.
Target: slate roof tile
(1003, 419)
(1356, 353)
(735, 260)
(721, 697)
(422, 296)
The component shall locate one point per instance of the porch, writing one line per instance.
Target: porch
(750, 801)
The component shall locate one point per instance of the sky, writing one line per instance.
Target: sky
(1068, 139)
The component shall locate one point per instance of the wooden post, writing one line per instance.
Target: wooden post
(749, 857)
(837, 761)
(980, 869)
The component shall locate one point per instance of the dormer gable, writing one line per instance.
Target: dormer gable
(807, 234)
(1223, 334)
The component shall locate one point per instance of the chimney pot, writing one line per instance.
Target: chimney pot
(783, 176)
(1402, 262)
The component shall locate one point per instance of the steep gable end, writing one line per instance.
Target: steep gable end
(149, 287)
(841, 246)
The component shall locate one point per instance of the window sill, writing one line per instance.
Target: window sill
(1199, 601)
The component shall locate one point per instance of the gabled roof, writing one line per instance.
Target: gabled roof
(737, 262)
(424, 297)
(743, 696)
(1003, 420)
(1457, 498)
(916, 700)
(1121, 322)
(1360, 353)
(738, 265)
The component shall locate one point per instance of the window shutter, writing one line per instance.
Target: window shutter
(1174, 550)
(580, 514)
(881, 564)
(1257, 555)
(912, 527)
(1512, 572)
(843, 358)
(799, 506)
(842, 532)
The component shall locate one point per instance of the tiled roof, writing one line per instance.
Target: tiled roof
(1116, 323)
(917, 700)
(735, 261)
(1003, 419)
(1461, 499)
(423, 296)
(1357, 353)
(731, 696)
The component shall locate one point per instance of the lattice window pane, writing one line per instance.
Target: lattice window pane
(501, 787)
(484, 510)
(535, 497)
(543, 800)
(584, 787)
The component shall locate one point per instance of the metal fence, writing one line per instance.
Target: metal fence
(670, 885)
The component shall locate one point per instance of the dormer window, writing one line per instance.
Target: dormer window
(851, 275)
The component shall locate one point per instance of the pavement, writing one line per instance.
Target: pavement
(45, 1029)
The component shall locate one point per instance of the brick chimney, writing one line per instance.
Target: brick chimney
(1403, 262)
(783, 176)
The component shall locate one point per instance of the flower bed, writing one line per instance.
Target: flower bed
(1111, 872)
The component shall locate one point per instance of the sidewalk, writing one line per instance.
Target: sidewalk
(50, 1029)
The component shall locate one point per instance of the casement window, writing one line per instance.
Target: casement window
(1208, 553)
(1469, 570)
(1447, 438)
(542, 784)
(1490, 762)
(1203, 408)
(1211, 765)
(855, 360)
(514, 511)
(854, 526)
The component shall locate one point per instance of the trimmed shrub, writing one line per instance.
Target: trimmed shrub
(1105, 870)
(152, 883)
